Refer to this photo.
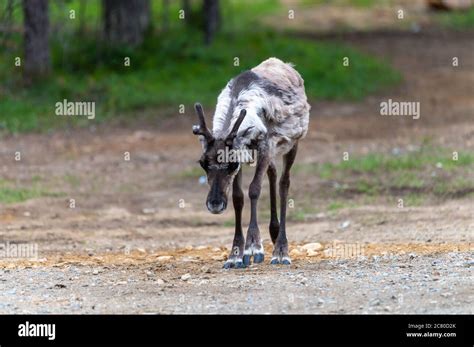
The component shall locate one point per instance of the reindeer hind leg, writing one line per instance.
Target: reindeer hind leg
(280, 251)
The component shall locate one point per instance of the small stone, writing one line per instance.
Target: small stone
(185, 277)
(189, 259)
(375, 302)
(295, 252)
(189, 248)
(148, 210)
(26, 214)
(95, 272)
(222, 256)
(164, 258)
(345, 224)
(206, 269)
(159, 281)
(469, 263)
(311, 253)
(387, 308)
(314, 246)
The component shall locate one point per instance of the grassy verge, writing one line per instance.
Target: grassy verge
(427, 171)
(457, 20)
(10, 193)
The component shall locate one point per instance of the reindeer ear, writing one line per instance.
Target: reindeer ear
(201, 128)
(242, 139)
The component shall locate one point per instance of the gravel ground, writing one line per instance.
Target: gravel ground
(377, 284)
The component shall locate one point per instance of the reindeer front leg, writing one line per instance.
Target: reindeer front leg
(253, 244)
(237, 251)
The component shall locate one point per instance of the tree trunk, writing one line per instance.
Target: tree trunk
(187, 11)
(211, 19)
(37, 61)
(125, 21)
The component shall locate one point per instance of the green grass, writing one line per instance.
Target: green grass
(72, 180)
(173, 68)
(409, 200)
(194, 172)
(457, 20)
(10, 194)
(428, 171)
(302, 210)
(355, 3)
(379, 162)
(408, 179)
(339, 205)
(453, 187)
(297, 216)
(229, 223)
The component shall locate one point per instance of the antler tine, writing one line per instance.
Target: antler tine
(236, 126)
(201, 129)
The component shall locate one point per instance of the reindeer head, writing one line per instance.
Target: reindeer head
(219, 169)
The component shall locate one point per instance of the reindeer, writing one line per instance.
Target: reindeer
(264, 110)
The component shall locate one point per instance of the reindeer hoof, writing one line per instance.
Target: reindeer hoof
(239, 264)
(283, 261)
(258, 258)
(246, 260)
(233, 263)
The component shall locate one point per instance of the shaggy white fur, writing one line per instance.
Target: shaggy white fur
(276, 105)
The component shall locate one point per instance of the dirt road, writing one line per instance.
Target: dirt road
(139, 240)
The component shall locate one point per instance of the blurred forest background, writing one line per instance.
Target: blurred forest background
(179, 51)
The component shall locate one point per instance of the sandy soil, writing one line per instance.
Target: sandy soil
(130, 246)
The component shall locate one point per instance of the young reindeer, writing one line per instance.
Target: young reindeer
(263, 110)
